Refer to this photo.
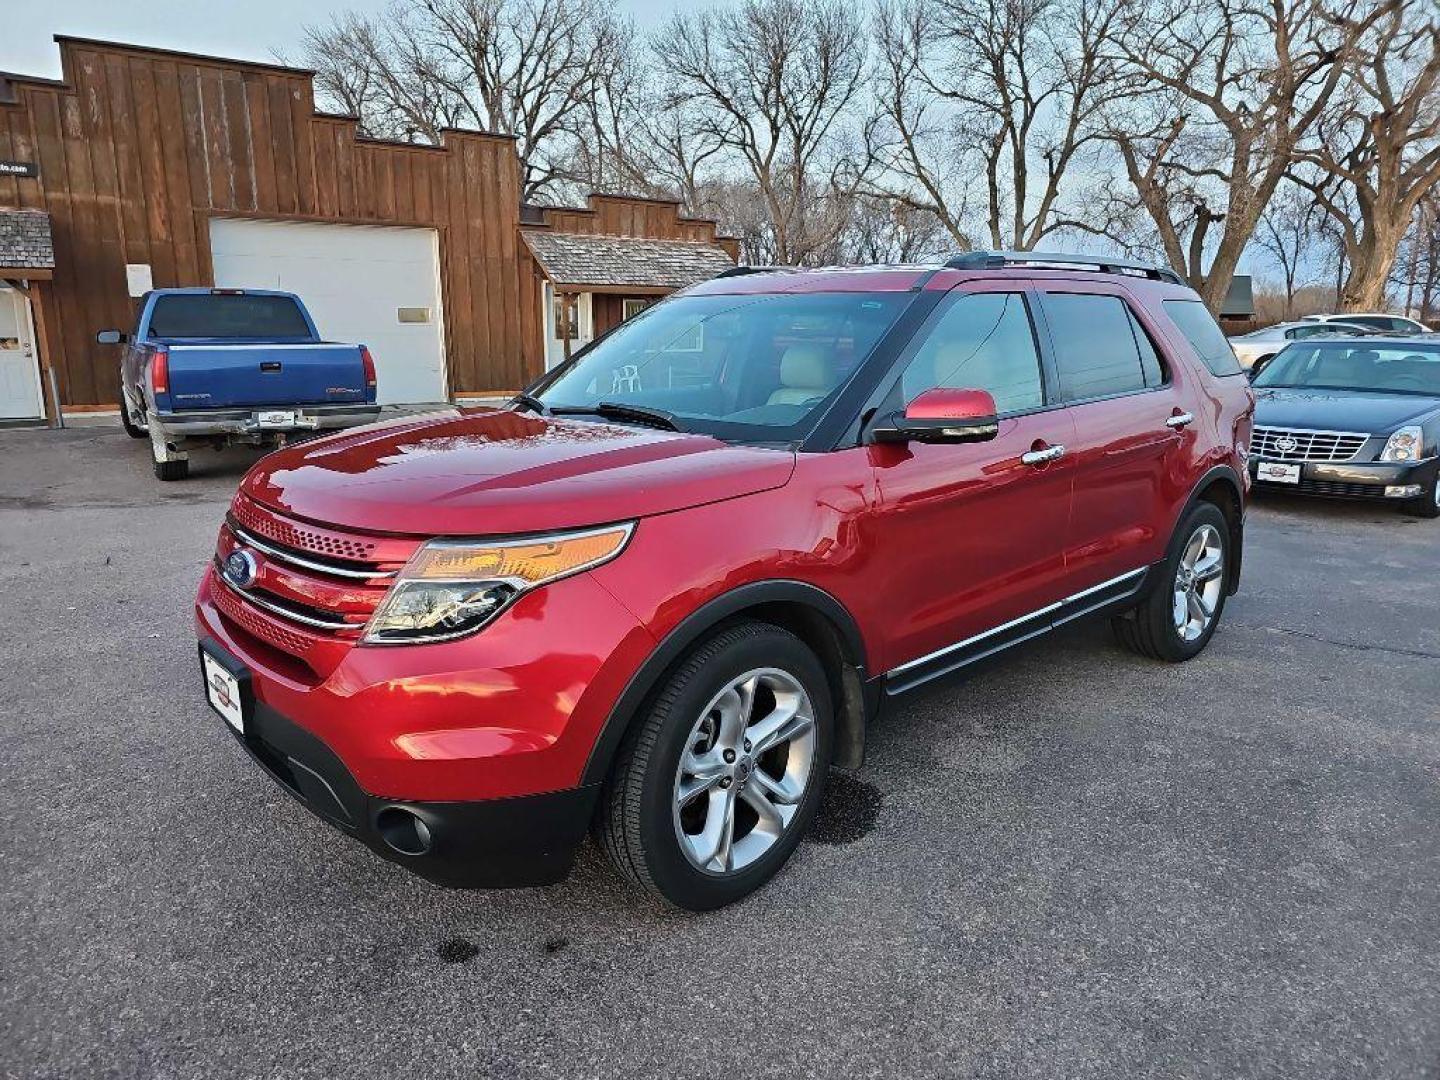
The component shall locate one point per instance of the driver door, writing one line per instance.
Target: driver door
(972, 536)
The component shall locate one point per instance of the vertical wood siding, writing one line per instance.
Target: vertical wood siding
(139, 149)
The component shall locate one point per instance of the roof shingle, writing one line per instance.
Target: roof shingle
(25, 241)
(575, 259)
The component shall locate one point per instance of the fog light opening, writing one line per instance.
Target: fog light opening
(404, 831)
(1402, 491)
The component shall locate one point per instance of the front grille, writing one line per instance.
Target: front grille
(1298, 444)
(311, 593)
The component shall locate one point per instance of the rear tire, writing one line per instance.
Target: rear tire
(700, 749)
(172, 470)
(1178, 617)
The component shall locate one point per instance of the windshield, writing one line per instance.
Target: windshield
(1399, 368)
(222, 315)
(752, 367)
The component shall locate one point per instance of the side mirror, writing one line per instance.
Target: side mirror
(1258, 366)
(942, 416)
(110, 337)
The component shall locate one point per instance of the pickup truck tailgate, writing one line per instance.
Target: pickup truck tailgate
(231, 376)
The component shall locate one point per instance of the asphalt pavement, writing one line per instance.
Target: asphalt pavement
(1077, 864)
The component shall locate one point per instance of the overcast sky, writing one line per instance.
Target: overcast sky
(251, 30)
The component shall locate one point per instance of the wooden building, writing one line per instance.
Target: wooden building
(149, 168)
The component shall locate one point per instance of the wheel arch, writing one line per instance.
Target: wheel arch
(810, 613)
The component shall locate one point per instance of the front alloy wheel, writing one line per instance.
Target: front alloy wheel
(719, 778)
(1178, 615)
(1199, 581)
(746, 768)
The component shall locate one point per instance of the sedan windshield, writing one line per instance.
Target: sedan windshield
(752, 367)
(1397, 368)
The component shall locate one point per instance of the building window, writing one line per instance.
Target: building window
(566, 311)
(631, 307)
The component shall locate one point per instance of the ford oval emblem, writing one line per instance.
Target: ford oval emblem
(241, 568)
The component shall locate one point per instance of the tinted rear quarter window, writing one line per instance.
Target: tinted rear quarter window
(1095, 345)
(208, 315)
(1199, 327)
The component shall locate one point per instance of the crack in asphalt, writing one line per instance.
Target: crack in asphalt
(1361, 646)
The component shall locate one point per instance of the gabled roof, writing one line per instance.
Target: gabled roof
(25, 242)
(586, 261)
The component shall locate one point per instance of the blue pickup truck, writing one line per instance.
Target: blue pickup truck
(214, 367)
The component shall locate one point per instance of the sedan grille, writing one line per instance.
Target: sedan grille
(1298, 444)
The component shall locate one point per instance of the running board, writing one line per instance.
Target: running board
(972, 650)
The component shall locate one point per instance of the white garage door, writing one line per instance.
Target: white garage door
(379, 286)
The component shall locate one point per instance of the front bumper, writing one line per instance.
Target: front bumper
(491, 843)
(246, 422)
(1354, 479)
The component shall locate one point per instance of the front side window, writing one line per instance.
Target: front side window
(1096, 354)
(1200, 329)
(1401, 368)
(227, 315)
(744, 367)
(980, 341)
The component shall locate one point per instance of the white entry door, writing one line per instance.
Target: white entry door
(19, 372)
(375, 285)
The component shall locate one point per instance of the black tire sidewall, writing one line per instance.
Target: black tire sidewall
(1162, 599)
(672, 873)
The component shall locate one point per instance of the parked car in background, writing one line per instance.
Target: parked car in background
(1353, 418)
(221, 366)
(1375, 320)
(665, 607)
(1260, 345)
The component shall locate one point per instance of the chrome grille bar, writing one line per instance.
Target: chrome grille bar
(1303, 444)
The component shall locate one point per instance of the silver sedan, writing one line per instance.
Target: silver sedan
(1263, 344)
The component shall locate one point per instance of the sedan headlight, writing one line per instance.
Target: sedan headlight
(1406, 444)
(451, 588)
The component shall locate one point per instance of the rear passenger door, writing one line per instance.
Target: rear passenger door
(1126, 402)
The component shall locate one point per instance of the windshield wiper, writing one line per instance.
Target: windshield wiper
(530, 401)
(638, 414)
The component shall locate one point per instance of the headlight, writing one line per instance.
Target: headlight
(1405, 445)
(451, 588)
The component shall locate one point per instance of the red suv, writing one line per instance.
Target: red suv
(663, 592)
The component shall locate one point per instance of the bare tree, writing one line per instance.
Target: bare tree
(1287, 232)
(528, 68)
(1233, 86)
(772, 83)
(892, 231)
(1381, 142)
(1010, 89)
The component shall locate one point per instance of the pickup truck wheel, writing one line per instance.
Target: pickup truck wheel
(721, 776)
(1176, 620)
(172, 470)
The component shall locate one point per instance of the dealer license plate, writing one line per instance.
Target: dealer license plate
(1275, 472)
(276, 418)
(222, 690)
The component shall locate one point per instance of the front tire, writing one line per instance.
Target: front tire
(722, 775)
(1178, 617)
(1428, 504)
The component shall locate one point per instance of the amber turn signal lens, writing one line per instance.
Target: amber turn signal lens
(530, 561)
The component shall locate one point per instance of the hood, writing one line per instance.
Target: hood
(491, 472)
(1339, 410)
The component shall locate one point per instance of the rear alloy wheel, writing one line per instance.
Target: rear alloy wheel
(719, 780)
(1178, 616)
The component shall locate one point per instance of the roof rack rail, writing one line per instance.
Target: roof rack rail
(742, 270)
(991, 260)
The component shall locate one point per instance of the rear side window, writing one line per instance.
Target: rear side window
(1193, 320)
(210, 315)
(1096, 350)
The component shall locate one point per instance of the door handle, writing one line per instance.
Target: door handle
(1179, 420)
(1043, 457)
